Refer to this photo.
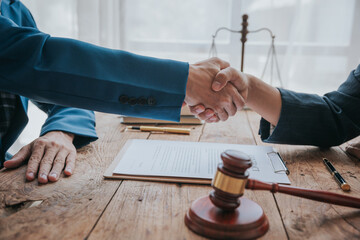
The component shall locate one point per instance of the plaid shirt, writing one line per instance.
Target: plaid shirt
(7, 108)
(7, 111)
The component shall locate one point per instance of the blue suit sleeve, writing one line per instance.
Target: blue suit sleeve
(79, 122)
(309, 119)
(73, 73)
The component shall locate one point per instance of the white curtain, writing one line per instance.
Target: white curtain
(317, 41)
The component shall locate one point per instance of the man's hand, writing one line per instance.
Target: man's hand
(354, 149)
(222, 78)
(225, 102)
(47, 156)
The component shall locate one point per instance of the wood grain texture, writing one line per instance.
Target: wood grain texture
(309, 219)
(87, 206)
(237, 131)
(149, 210)
(70, 207)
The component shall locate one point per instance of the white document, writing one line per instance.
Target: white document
(195, 160)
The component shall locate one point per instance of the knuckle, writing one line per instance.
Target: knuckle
(58, 160)
(215, 59)
(219, 110)
(221, 76)
(24, 148)
(54, 144)
(48, 161)
(202, 116)
(40, 142)
(229, 101)
(226, 100)
(192, 109)
(34, 159)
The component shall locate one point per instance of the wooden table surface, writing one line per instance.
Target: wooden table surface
(85, 206)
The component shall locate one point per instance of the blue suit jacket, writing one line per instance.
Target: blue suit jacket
(73, 73)
(77, 121)
(309, 119)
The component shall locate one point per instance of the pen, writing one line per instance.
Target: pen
(287, 171)
(161, 129)
(339, 179)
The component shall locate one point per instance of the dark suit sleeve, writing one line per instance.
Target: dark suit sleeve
(309, 119)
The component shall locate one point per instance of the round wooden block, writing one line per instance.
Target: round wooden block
(246, 222)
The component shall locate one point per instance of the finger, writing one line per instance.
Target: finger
(47, 163)
(237, 99)
(239, 102)
(19, 157)
(58, 165)
(208, 113)
(213, 119)
(231, 109)
(70, 163)
(34, 160)
(222, 114)
(354, 151)
(222, 78)
(221, 63)
(197, 109)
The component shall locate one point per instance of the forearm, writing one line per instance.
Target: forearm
(72, 73)
(310, 119)
(264, 99)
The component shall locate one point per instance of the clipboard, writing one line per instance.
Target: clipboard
(110, 175)
(271, 157)
(277, 162)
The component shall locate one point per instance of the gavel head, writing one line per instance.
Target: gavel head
(223, 214)
(230, 179)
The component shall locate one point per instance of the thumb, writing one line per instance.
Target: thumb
(19, 157)
(221, 79)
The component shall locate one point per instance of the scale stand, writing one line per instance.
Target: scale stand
(271, 56)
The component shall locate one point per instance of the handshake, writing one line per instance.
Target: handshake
(215, 91)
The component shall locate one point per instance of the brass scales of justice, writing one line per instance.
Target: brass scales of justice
(225, 214)
(271, 55)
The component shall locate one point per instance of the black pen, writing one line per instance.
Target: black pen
(339, 179)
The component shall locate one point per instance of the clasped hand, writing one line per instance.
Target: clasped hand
(215, 90)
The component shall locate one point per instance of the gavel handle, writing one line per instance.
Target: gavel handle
(321, 196)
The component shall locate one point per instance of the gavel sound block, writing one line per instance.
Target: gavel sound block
(224, 215)
(219, 216)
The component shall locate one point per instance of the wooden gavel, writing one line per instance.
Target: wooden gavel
(225, 214)
(231, 175)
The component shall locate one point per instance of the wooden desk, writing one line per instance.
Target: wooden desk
(85, 206)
